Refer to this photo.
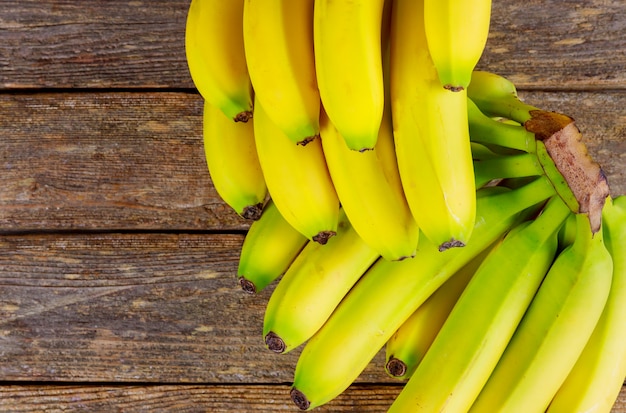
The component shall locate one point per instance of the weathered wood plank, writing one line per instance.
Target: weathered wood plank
(78, 44)
(194, 398)
(559, 44)
(134, 307)
(130, 161)
(106, 161)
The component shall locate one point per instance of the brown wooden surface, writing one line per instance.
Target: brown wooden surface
(117, 258)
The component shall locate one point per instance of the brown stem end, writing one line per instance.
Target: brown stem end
(275, 343)
(300, 399)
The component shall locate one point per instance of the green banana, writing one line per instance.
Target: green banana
(597, 377)
(553, 332)
(390, 291)
(470, 342)
(409, 343)
(268, 249)
(313, 286)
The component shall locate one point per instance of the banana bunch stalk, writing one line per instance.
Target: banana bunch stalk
(401, 200)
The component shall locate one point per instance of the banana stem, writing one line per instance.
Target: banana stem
(486, 130)
(515, 166)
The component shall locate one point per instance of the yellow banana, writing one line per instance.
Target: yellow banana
(278, 40)
(216, 58)
(407, 346)
(313, 286)
(431, 134)
(475, 334)
(297, 179)
(373, 201)
(389, 292)
(233, 164)
(348, 61)
(553, 332)
(268, 249)
(597, 377)
(457, 32)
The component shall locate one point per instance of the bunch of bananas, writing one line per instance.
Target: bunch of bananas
(403, 200)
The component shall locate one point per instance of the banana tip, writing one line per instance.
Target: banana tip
(252, 212)
(323, 236)
(395, 367)
(453, 243)
(275, 343)
(300, 399)
(247, 285)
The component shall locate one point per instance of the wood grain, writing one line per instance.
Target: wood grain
(547, 44)
(374, 398)
(135, 161)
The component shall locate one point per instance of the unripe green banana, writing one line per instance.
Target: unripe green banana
(406, 348)
(596, 379)
(390, 291)
(268, 249)
(470, 342)
(313, 286)
(554, 330)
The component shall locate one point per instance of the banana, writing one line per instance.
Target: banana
(475, 334)
(390, 291)
(347, 37)
(297, 179)
(278, 40)
(431, 134)
(496, 95)
(553, 332)
(215, 56)
(457, 32)
(373, 201)
(406, 348)
(233, 163)
(313, 286)
(488, 131)
(269, 248)
(597, 377)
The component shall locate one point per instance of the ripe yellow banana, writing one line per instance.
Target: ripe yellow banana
(390, 291)
(553, 332)
(313, 286)
(233, 164)
(373, 201)
(406, 348)
(278, 40)
(297, 179)
(348, 60)
(475, 334)
(597, 377)
(457, 32)
(431, 134)
(216, 58)
(269, 248)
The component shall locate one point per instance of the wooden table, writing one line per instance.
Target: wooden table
(118, 259)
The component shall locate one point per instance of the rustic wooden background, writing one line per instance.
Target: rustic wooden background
(117, 258)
